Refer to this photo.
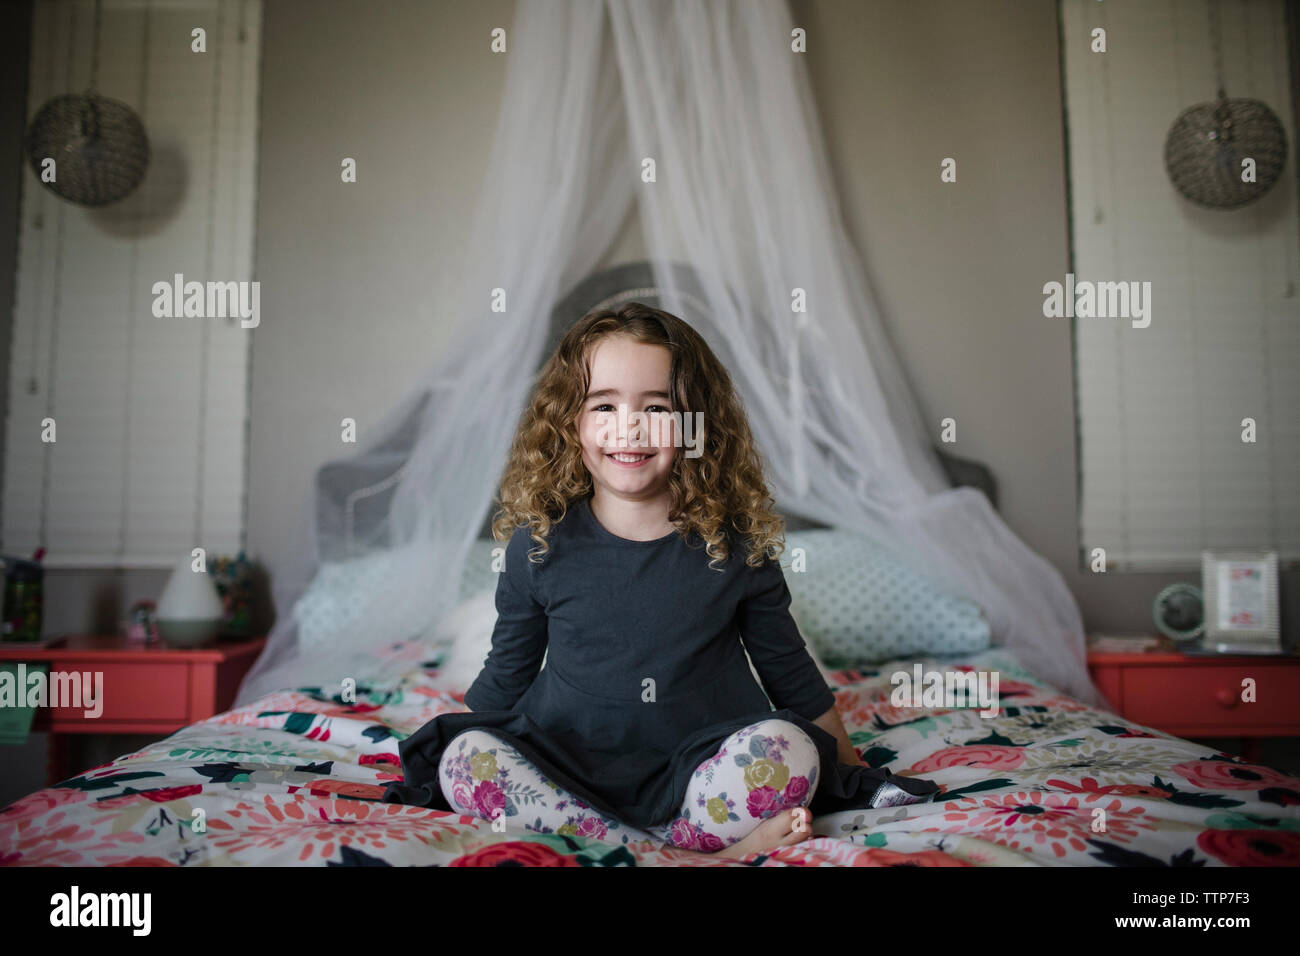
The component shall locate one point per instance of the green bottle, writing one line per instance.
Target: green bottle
(24, 584)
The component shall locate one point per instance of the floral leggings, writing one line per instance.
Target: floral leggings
(759, 771)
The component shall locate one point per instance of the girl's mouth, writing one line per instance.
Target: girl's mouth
(628, 459)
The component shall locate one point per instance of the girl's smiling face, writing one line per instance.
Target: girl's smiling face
(625, 371)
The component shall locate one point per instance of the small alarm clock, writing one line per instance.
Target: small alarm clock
(1179, 613)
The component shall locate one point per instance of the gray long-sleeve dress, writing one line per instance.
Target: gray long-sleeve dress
(645, 676)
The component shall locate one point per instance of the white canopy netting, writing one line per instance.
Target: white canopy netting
(741, 193)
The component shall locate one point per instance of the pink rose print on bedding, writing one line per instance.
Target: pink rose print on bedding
(981, 755)
(1227, 775)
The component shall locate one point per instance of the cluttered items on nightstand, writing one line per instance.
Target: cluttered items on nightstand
(24, 599)
(198, 603)
(24, 604)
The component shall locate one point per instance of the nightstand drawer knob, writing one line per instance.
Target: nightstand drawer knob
(1226, 697)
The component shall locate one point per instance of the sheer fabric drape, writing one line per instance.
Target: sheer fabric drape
(742, 195)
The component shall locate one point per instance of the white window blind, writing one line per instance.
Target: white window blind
(150, 412)
(1164, 471)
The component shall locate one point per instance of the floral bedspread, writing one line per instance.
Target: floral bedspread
(296, 779)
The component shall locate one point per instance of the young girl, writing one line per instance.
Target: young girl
(654, 560)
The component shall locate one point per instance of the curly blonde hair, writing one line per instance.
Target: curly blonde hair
(719, 491)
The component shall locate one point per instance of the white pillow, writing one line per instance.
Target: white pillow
(468, 633)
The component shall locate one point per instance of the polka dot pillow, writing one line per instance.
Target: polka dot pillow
(858, 604)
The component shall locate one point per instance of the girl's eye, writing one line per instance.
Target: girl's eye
(611, 407)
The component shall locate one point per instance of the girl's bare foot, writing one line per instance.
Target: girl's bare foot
(780, 830)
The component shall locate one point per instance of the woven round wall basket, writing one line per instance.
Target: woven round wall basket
(98, 145)
(1207, 143)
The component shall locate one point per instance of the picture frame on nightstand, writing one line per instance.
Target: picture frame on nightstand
(1240, 592)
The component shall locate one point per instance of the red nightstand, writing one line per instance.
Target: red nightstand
(147, 690)
(1200, 696)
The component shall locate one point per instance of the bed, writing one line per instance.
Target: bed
(296, 778)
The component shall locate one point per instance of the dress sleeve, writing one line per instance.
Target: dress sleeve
(519, 638)
(774, 644)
